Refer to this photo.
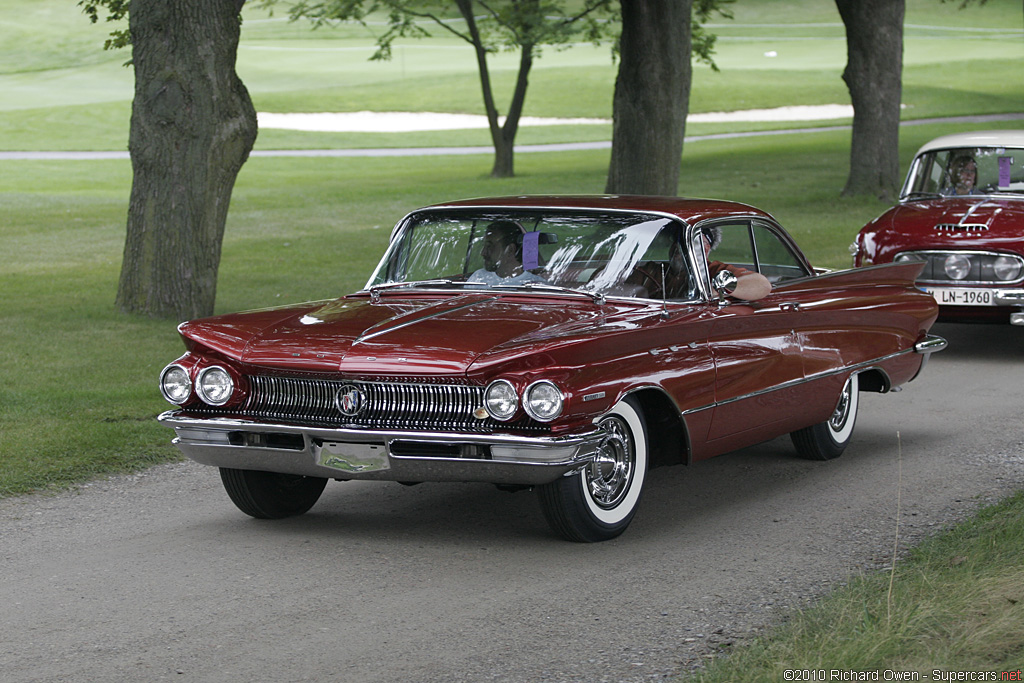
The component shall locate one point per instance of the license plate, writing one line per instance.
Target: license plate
(958, 296)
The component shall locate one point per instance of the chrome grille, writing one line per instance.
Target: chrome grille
(982, 267)
(953, 227)
(386, 405)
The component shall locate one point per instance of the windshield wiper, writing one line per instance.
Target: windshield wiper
(375, 290)
(922, 195)
(598, 297)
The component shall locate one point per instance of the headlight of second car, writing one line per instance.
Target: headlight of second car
(215, 385)
(543, 401)
(957, 266)
(1006, 268)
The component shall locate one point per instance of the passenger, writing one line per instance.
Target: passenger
(503, 256)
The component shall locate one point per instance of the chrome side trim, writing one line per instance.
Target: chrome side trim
(926, 346)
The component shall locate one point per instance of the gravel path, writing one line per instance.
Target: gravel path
(158, 577)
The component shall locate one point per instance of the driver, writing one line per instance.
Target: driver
(963, 176)
(503, 256)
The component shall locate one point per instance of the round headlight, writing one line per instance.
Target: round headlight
(957, 266)
(501, 400)
(543, 401)
(175, 384)
(215, 385)
(1007, 268)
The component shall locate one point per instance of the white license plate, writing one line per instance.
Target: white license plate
(961, 296)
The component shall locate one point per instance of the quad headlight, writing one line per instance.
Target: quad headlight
(957, 266)
(175, 384)
(543, 401)
(215, 386)
(501, 400)
(1006, 268)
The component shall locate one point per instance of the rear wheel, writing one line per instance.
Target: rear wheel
(269, 495)
(827, 440)
(598, 502)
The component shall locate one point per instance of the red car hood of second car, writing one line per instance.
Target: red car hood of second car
(913, 225)
(396, 336)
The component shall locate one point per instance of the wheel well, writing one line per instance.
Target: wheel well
(666, 431)
(875, 379)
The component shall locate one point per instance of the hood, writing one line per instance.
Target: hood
(396, 336)
(948, 223)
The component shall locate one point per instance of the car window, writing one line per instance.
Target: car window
(734, 247)
(431, 249)
(615, 254)
(995, 170)
(775, 259)
(757, 247)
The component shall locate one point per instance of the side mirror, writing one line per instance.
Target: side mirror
(724, 283)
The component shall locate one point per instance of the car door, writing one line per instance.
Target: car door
(756, 346)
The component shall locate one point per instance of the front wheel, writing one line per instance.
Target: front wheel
(269, 495)
(827, 440)
(598, 502)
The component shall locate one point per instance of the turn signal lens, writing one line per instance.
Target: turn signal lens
(957, 266)
(215, 385)
(501, 400)
(543, 401)
(1007, 268)
(175, 384)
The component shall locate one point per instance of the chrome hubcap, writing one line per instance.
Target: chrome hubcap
(609, 475)
(842, 412)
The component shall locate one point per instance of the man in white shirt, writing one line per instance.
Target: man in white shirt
(503, 256)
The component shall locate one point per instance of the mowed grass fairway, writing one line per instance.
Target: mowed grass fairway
(78, 381)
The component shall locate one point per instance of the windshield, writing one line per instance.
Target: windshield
(627, 255)
(966, 171)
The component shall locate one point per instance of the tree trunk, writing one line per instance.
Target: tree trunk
(192, 127)
(504, 146)
(652, 97)
(874, 76)
(503, 137)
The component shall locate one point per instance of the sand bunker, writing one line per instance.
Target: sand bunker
(405, 122)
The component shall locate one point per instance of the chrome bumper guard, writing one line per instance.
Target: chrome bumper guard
(1008, 297)
(932, 343)
(379, 454)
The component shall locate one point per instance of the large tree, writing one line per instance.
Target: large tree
(874, 76)
(652, 96)
(659, 40)
(192, 127)
(486, 25)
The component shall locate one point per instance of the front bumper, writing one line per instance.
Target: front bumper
(382, 455)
